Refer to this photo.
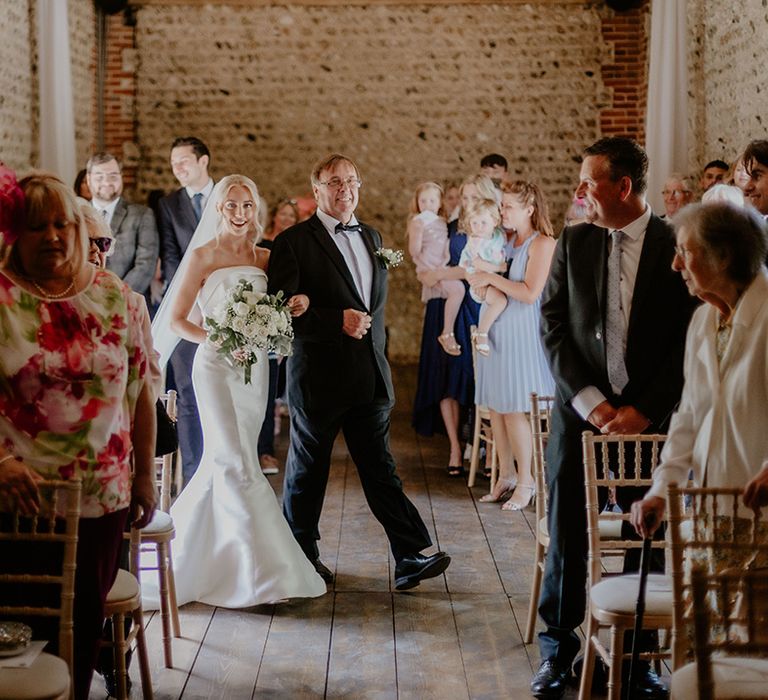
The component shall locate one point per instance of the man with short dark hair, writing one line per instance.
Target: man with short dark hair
(713, 173)
(178, 216)
(495, 166)
(614, 318)
(756, 165)
(338, 375)
(136, 240)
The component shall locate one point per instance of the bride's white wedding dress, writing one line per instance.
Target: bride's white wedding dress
(233, 546)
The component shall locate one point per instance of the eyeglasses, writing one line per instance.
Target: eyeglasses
(335, 183)
(104, 243)
(682, 252)
(674, 193)
(109, 177)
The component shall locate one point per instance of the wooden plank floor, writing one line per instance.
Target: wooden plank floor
(455, 636)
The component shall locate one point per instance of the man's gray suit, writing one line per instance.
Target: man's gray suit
(136, 245)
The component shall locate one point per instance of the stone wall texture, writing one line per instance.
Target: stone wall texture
(15, 84)
(19, 102)
(728, 99)
(410, 92)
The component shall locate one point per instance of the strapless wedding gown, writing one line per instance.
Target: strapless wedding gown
(233, 547)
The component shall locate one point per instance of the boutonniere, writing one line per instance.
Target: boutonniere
(389, 257)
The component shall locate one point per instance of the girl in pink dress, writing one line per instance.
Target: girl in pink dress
(428, 246)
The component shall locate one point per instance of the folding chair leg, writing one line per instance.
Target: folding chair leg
(617, 656)
(538, 574)
(141, 648)
(121, 674)
(588, 667)
(165, 617)
(475, 458)
(172, 595)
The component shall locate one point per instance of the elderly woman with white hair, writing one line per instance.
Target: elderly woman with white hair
(677, 192)
(719, 428)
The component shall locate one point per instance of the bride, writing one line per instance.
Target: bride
(233, 546)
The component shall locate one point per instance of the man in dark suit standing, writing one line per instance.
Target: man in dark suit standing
(338, 376)
(136, 242)
(614, 319)
(178, 216)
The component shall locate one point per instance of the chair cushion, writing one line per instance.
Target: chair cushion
(619, 594)
(47, 677)
(125, 587)
(161, 522)
(735, 677)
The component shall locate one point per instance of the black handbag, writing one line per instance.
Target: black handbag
(167, 437)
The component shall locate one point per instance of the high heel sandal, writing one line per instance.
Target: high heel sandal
(481, 344)
(507, 486)
(448, 343)
(517, 505)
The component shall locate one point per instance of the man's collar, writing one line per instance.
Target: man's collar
(206, 191)
(109, 207)
(330, 223)
(635, 229)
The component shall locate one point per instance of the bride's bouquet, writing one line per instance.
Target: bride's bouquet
(246, 322)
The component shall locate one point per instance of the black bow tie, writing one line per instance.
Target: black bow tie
(341, 228)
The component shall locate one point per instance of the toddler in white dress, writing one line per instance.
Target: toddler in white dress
(484, 252)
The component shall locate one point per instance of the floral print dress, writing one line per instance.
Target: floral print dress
(71, 371)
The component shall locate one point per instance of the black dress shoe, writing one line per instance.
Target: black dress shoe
(551, 679)
(325, 573)
(411, 570)
(648, 685)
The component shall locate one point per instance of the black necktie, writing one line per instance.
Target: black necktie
(342, 228)
(197, 205)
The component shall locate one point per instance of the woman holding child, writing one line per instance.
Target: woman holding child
(515, 364)
(446, 382)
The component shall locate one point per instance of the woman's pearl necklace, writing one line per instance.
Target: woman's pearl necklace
(48, 295)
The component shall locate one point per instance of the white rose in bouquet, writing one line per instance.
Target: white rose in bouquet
(241, 308)
(238, 324)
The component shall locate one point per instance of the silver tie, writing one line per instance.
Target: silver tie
(614, 319)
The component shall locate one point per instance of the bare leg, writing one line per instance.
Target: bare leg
(518, 432)
(449, 408)
(506, 479)
(495, 302)
(455, 295)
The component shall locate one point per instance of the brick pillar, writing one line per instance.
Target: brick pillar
(120, 123)
(626, 74)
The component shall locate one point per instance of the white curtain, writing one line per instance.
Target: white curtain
(57, 120)
(666, 128)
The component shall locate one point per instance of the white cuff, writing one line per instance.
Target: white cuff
(589, 398)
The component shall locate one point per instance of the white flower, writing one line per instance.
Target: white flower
(390, 258)
(238, 324)
(240, 308)
(252, 298)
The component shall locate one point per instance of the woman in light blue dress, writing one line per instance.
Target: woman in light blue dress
(516, 365)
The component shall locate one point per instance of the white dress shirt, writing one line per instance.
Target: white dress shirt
(355, 253)
(206, 192)
(108, 207)
(631, 248)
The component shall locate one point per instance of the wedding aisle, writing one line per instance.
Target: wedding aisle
(455, 636)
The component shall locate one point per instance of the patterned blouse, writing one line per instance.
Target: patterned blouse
(71, 371)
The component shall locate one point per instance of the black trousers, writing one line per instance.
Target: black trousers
(562, 603)
(189, 428)
(366, 431)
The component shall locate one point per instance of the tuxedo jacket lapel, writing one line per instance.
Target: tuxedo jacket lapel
(331, 250)
(649, 257)
(370, 245)
(186, 213)
(600, 255)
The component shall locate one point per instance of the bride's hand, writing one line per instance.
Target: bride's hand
(298, 304)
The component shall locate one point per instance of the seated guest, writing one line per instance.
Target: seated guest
(133, 224)
(677, 192)
(739, 176)
(81, 185)
(756, 166)
(719, 429)
(714, 172)
(75, 401)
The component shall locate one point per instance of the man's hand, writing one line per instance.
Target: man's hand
(603, 413)
(298, 304)
(756, 491)
(143, 500)
(356, 323)
(18, 486)
(628, 421)
(646, 515)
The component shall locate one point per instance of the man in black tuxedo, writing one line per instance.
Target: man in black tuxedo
(614, 319)
(338, 376)
(177, 219)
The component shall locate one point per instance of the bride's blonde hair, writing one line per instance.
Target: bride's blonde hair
(226, 184)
